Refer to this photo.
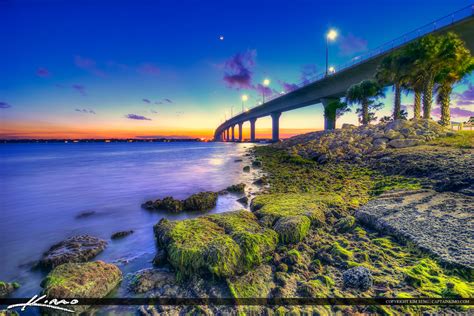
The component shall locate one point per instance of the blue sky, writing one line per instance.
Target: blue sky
(135, 68)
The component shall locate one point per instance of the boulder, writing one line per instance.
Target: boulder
(345, 224)
(244, 201)
(121, 234)
(358, 278)
(392, 134)
(149, 279)
(74, 249)
(256, 283)
(256, 164)
(348, 126)
(160, 258)
(169, 204)
(236, 188)
(7, 288)
(292, 229)
(402, 143)
(201, 201)
(81, 280)
(246, 169)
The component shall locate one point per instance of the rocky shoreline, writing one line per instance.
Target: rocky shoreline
(323, 215)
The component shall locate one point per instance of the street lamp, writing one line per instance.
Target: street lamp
(332, 70)
(330, 36)
(266, 83)
(244, 99)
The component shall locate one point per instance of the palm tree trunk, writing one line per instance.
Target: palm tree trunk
(398, 102)
(428, 97)
(417, 105)
(365, 112)
(445, 99)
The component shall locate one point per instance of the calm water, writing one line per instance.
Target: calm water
(43, 187)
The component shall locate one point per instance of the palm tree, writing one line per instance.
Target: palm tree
(365, 93)
(392, 71)
(333, 111)
(415, 83)
(457, 64)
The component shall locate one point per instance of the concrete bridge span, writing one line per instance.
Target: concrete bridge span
(324, 88)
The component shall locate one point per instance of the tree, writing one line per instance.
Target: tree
(365, 93)
(458, 63)
(392, 71)
(334, 110)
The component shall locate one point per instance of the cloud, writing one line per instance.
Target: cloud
(89, 65)
(308, 72)
(287, 86)
(158, 102)
(238, 70)
(85, 111)
(153, 111)
(137, 117)
(351, 44)
(261, 89)
(456, 112)
(80, 88)
(148, 69)
(146, 100)
(4, 105)
(43, 72)
(168, 100)
(466, 97)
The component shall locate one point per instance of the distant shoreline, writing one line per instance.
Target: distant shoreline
(108, 140)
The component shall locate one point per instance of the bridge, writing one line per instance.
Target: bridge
(323, 88)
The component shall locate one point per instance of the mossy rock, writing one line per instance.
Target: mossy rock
(6, 288)
(236, 188)
(271, 207)
(201, 201)
(221, 244)
(314, 288)
(292, 229)
(169, 204)
(246, 169)
(345, 224)
(254, 284)
(81, 280)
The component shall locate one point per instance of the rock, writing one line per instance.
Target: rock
(380, 141)
(201, 201)
(221, 244)
(292, 229)
(358, 278)
(397, 125)
(246, 169)
(236, 188)
(81, 280)
(256, 283)
(160, 258)
(149, 279)
(244, 201)
(391, 134)
(74, 249)
(438, 223)
(85, 214)
(7, 288)
(121, 234)
(348, 126)
(169, 204)
(345, 224)
(402, 143)
(256, 164)
(238, 160)
(260, 181)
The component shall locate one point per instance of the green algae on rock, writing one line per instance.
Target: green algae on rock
(6, 288)
(221, 244)
(87, 280)
(254, 284)
(201, 201)
(292, 229)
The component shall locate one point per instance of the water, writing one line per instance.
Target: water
(43, 187)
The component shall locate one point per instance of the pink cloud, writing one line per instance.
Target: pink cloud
(4, 105)
(456, 112)
(238, 70)
(137, 117)
(148, 69)
(42, 72)
(351, 44)
(89, 65)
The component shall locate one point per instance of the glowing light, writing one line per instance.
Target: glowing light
(245, 97)
(332, 34)
(266, 82)
(221, 37)
(332, 70)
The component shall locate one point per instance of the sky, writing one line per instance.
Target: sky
(139, 69)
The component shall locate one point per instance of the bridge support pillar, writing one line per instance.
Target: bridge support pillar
(233, 133)
(240, 132)
(227, 135)
(252, 129)
(276, 126)
(329, 114)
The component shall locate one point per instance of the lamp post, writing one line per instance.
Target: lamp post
(266, 83)
(244, 99)
(330, 36)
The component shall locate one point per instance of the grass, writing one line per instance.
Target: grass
(461, 139)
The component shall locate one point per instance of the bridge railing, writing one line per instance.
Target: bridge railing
(389, 46)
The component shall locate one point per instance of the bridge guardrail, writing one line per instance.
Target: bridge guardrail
(388, 46)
